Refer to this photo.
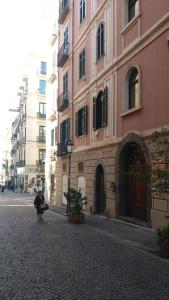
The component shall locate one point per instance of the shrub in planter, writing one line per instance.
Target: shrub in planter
(75, 204)
(163, 240)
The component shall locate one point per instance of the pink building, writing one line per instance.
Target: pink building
(113, 92)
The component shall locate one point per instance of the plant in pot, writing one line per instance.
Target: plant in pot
(163, 240)
(75, 204)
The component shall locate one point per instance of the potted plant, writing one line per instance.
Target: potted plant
(75, 204)
(163, 240)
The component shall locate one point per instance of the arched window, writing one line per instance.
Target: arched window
(133, 89)
(132, 9)
(100, 109)
(100, 41)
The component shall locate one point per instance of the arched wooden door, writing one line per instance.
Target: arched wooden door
(135, 183)
(100, 197)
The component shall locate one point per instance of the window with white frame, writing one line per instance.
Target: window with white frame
(66, 41)
(100, 41)
(132, 89)
(82, 10)
(82, 64)
(132, 9)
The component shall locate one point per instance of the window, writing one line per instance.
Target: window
(42, 108)
(66, 41)
(65, 131)
(100, 41)
(43, 67)
(82, 10)
(52, 137)
(42, 87)
(42, 154)
(82, 64)
(66, 3)
(81, 121)
(133, 89)
(100, 109)
(42, 132)
(65, 85)
(132, 9)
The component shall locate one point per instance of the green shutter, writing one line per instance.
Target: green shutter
(85, 119)
(61, 132)
(94, 113)
(76, 120)
(104, 107)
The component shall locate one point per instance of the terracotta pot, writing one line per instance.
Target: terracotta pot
(164, 249)
(76, 219)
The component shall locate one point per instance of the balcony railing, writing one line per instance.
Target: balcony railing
(63, 55)
(41, 139)
(20, 163)
(40, 115)
(40, 162)
(63, 11)
(61, 149)
(62, 102)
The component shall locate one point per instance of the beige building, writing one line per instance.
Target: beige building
(29, 128)
(51, 111)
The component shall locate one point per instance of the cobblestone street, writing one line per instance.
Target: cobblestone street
(101, 259)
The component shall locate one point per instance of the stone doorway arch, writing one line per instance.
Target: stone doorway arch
(134, 187)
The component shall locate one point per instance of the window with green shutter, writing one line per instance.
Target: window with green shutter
(81, 121)
(65, 131)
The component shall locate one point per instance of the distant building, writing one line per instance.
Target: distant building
(51, 111)
(29, 127)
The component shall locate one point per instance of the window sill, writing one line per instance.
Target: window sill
(82, 22)
(81, 136)
(130, 111)
(130, 24)
(82, 78)
(100, 58)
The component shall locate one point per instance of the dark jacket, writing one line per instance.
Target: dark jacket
(38, 201)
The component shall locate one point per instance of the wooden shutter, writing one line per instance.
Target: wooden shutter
(104, 107)
(76, 120)
(68, 129)
(85, 119)
(61, 137)
(94, 113)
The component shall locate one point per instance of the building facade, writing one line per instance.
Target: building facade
(113, 94)
(29, 128)
(51, 112)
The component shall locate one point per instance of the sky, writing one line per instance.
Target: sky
(23, 28)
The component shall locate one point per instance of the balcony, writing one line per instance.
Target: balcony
(41, 139)
(63, 11)
(41, 116)
(40, 162)
(61, 149)
(41, 165)
(20, 163)
(63, 55)
(62, 102)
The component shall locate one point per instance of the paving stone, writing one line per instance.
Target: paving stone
(98, 260)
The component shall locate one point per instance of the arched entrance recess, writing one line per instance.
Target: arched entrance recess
(133, 193)
(99, 191)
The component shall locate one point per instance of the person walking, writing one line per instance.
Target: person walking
(38, 204)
